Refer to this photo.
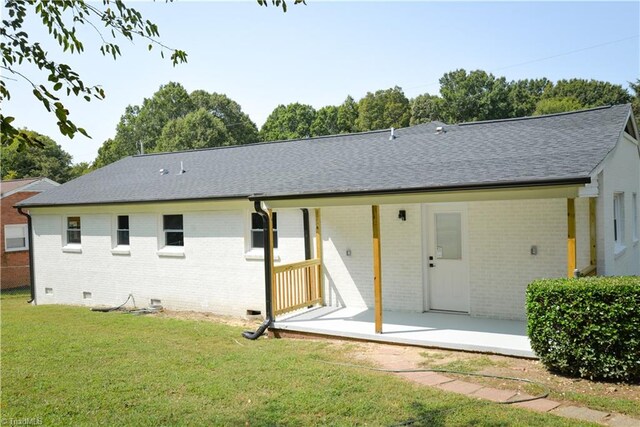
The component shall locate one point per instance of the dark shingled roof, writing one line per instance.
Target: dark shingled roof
(513, 152)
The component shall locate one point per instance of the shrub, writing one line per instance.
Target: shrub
(587, 327)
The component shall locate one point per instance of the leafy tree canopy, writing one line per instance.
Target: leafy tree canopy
(557, 105)
(288, 122)
(47, 159)
(635, 101)
(198, 129)
(348, 116)
(426, 108)
(79, 169)
(383, 109)
(146, 123)
(326, 122)
(589, 93)
(61, 19)
(525, 94)
(113, 21)
(239, 125)
(473, 96)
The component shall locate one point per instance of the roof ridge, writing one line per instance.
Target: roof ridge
(253, 144)
(23, 179)
(513, 119)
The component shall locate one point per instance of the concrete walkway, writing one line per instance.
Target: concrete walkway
(393, 358)
(442, 330)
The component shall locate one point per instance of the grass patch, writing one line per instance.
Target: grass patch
(69, 366)
(473, 365)
(23, 292)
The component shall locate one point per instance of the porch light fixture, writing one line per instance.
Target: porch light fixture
(402, 215)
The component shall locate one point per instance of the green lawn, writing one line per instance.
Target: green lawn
(69, 366)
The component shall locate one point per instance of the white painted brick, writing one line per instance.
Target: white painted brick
(213, 276)
(501, 234)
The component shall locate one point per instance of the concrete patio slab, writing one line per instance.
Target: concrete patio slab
(441, 330)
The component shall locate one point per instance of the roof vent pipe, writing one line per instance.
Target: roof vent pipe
(393, 134)
(181, 169)
(440, 130)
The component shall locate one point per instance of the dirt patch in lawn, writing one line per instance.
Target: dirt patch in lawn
(615, 397)
(209, 317)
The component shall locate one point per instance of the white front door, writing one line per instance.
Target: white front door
(447, 256)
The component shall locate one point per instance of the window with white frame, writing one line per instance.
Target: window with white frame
(16, 237)
(635, 216)
(257, 233)
(618, 219)
(122, 230)
(173, 230)
(73, 230)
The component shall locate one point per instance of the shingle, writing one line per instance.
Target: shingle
(562, 146)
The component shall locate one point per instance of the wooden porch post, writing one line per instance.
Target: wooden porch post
(593, 254)
(319, 254)
(377, 268)
(571, 237)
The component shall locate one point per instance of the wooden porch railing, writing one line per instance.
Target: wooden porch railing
(296, 286)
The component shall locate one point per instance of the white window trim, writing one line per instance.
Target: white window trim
(117, 249)
(163, 249)
(74, 248)
(618, 208)
(25, 227)
(251, 253)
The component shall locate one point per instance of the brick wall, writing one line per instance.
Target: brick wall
(14, 265)
(215, 275)
(349, 278)
(501, 234)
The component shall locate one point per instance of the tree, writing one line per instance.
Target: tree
(47, 159)
(473, 96)
(635, 101)
(589, 93)
(198, 129)
(288, 122)
(326, 122)
(239, 125)
(557, 105)
(426, 108)
(79, 169)
(525, 94)
(348, 116)
(383, 109)
(61, 20)
(146, 123)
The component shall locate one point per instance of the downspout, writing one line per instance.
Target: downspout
(307, 238)
(267, 274)
(32, 276)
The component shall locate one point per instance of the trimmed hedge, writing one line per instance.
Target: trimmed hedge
(587, 327)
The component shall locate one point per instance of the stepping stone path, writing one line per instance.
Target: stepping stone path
(392, 358)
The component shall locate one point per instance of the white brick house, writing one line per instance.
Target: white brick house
(468, 215)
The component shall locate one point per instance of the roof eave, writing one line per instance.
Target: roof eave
(432, 189)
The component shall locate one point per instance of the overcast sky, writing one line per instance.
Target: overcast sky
(319, 53)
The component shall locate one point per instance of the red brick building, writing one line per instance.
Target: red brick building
(14, 235)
